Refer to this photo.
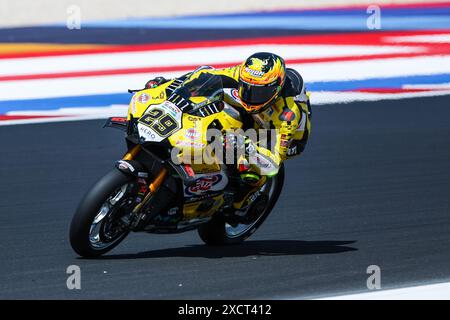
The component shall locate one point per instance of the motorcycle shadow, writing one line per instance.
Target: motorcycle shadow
(248, 248)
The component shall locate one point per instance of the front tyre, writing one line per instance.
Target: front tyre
(95, 228)
(218, 232)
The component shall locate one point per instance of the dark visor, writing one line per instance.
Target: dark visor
(255, 95)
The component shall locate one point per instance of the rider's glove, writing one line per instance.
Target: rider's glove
(242, 147)
(155, 82)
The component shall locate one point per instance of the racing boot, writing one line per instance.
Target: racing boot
(250, 183)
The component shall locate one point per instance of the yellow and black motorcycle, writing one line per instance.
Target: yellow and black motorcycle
(158, 186)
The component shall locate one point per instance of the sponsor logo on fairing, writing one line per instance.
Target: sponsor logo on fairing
(143, 98)
(146, 133)
(204, 184)
(191, 144)
(133, 104)
(172, 108)
(192, 134)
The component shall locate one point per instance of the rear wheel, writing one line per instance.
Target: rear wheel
(95, 228)
(219, 232)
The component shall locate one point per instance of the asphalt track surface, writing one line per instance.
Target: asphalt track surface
(372, 188)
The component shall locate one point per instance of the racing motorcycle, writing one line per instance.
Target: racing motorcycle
(149, 191)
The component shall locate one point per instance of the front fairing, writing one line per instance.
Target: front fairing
(179, 119)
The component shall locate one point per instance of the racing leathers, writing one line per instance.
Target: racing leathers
(287, 119)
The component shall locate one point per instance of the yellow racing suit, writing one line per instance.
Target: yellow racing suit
(289, 116)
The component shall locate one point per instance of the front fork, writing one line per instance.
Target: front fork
(145, 190)
(131, 154)
(159, 179)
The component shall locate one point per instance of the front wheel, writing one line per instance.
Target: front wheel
(95, 228)
(218, 232)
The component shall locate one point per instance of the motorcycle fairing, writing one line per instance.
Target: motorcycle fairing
(159, 121)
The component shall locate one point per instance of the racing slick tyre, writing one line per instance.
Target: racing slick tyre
(218, 232)
(95, 228)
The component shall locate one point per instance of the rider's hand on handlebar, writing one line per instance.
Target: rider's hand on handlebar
(241, 146)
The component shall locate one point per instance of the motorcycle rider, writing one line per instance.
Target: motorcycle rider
(268, 96)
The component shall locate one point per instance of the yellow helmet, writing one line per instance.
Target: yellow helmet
(261, 78)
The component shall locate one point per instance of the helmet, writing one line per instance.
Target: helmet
(261, 78)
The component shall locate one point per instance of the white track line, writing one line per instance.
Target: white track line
(336, 97)
(430, 38)
(329, 71)
(192, 56)
(439, 291)
(90, 113)
(49, 120)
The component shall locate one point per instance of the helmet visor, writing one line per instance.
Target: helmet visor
(256, 95)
